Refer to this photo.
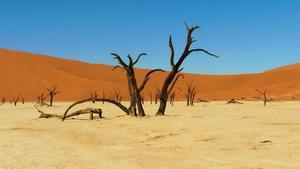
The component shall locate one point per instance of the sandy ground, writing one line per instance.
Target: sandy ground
(213, 135)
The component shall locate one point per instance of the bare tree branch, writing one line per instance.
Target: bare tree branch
(138, 58)
(172, 52)
(174, 82)
(147, 78)
(130, 59)
(121, 62)
(202, 50)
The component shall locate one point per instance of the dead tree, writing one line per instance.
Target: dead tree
(190, 94)
(133, 88)
(263, 96)
(117, 96)
(22, 100)
(41, 99)
(150, 97)
(193, 95)
(3, 100)
(174, 74)
(157, 92)
(172, 97)
(16, 100)
(93, 96)
(52, 92)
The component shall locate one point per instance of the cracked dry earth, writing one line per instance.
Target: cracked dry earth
(210, 135)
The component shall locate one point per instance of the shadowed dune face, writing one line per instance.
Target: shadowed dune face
(30, 74)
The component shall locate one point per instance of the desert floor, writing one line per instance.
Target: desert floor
(207, 136)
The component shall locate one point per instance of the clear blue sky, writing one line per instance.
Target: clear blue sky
(249, 35)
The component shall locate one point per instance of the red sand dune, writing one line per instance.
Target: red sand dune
(30, 74)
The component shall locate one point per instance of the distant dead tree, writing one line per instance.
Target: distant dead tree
(16, 100)
(22, 100)
(3, 100)
(41, 99)
(117, 96)
(52, 92)
(263, 96)
(150, 97)
(93, 96)
(174, 74)
(157, 92)
(133, 88)
(190, 93)
(172, 97)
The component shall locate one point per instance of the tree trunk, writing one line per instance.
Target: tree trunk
(51, 100)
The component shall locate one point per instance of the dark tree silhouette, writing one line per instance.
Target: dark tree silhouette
(117, 96)
(174, 74)
(22, 100)
(190, 93)
(16, 100)
(93, 96)
(133, 88)
(41, 99)
(52, 92)
(263, 96)
(3, 100)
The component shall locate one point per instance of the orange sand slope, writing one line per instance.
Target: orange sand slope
(30, 74)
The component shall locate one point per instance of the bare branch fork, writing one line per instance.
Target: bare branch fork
(189, 93)
(16, 100)
(52, 92)
(171, 79)
(263, 96)
(136, 99)
(93, 96)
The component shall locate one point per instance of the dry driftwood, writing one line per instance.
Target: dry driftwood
(233, 101)
(202, 101)
(122, 107)
(90, 111)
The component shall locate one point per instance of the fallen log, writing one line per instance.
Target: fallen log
(90, 111)
(202, 101)
(122, 107)
(233, 101)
